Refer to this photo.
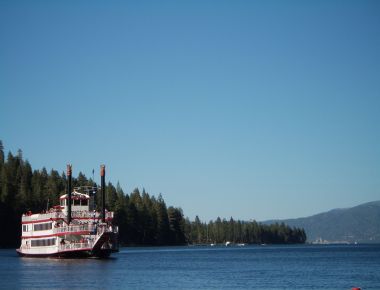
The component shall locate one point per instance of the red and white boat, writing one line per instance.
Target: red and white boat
(71, 229)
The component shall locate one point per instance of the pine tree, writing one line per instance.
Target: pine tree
(162, 221)
(121, 217)
(81, 180)
(176, 225)
(9, 184)
(24, 197)
(1, 168)
(111, 196)
(1, 153)
(148, 218)
(132, 224)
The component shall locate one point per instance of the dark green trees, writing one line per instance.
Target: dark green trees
(177, 226)
(142, 219)
(145, 220)
(222, 231)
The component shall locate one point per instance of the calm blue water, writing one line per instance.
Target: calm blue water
(251, 267)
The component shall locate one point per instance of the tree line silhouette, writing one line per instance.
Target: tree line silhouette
(143, 219)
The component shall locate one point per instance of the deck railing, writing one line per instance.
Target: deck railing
(88, 214)
(98, 229)
(71, 229)
(42, 216)
(75, 246)
(59, 214)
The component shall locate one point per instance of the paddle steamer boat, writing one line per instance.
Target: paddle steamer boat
(72, 229)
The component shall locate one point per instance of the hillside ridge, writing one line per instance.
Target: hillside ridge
(357, 224)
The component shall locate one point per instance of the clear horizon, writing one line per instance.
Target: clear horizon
(263, 110)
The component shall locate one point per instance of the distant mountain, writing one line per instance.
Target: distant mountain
(357, 224)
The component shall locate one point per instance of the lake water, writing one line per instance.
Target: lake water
(250, 267)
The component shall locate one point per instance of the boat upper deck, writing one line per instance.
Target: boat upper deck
(57, 214)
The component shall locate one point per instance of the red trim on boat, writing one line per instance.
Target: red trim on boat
(56, 219)
(75, 250)
(40, 221)
(73, 253)
(55, 254)
(57, 235)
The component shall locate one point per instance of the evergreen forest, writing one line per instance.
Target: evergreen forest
(143, 219)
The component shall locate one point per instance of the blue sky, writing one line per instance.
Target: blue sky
(250, 109)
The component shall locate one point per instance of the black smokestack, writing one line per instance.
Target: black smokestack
(103, 186)
(69, 193)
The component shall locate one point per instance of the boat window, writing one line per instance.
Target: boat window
(42, 227)
(44, 242)
(84, 202)
(76, 202)
(24, 228)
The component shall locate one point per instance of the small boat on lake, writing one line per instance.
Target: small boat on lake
(71, 229)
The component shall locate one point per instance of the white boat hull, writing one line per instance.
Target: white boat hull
(97, 249)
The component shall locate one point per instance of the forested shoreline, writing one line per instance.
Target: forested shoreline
(143, 219)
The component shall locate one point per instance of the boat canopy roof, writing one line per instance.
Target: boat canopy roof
(76, 195)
